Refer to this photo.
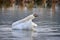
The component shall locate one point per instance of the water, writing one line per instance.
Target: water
(48, 25)
(6, 33)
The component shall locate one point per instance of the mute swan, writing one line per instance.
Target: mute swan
(25, 23)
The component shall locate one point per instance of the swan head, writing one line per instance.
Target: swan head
(35, 15)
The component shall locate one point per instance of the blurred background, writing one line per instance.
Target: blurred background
(13, 10)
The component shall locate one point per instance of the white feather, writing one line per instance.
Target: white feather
(25, 23)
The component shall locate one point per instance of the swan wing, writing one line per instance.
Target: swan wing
(30, 17)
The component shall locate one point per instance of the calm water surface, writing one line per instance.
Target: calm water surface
(48, 26)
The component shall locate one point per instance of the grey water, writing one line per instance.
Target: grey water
(48, 24)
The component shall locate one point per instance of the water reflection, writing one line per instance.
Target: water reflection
(22, 35)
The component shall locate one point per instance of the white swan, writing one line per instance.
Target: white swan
(25, 23)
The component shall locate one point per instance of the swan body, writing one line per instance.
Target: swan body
(25, 23)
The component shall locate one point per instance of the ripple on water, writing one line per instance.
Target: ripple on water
(6, 33)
